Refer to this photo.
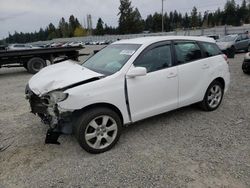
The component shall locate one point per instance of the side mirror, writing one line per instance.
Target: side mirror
(137, 71)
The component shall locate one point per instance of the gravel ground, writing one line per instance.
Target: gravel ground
(183, 148)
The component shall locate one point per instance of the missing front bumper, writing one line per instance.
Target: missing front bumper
(59, 123)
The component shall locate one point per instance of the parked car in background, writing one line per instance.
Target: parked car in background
(126, 82)
(66, 44)
(215, 37)
(246, 64)
(21, 47)
(87, 43)
(55, 44)
(102, 42)
(230, 44)
(76, 44)
(3, 47)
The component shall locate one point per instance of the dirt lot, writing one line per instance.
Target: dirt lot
(183, 148)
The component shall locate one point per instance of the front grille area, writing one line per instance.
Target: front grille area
(36, 105)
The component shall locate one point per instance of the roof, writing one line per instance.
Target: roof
(150, 40)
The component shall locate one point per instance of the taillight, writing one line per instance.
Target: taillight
(226, 58)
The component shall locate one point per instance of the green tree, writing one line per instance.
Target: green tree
(51, 32)
(244, 12)
(230, 12)
(138, 22)
(157, 21)
(99, 27)
(73, 24)
(149, 23)
(186, 21)
(125, 19)
(63, 28)
(194, 17)
(79, 32)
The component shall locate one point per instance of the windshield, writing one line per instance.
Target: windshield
(111, 59)
(228, 38)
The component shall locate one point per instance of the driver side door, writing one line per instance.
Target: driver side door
(157, 91)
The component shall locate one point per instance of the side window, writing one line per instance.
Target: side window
(210, 49)
(187, 51)
(155, 59)
(238, 38)
(19, 46)
(244, 37)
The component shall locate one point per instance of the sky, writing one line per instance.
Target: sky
(31, 15)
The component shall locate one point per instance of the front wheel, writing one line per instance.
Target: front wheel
(98, 130)
(213, 97)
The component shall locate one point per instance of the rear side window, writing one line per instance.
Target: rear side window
(19, 46)
(210, 49)
(244, 36)
(187, 51)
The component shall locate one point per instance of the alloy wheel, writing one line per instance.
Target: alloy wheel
(214, 96)
(101, 132)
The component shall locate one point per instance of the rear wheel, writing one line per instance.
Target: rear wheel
(245, 70)
(213, 97)
(98, 130)
(25, 66)
(35, 64)
(248, 49)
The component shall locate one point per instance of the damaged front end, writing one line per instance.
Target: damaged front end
(47, 109)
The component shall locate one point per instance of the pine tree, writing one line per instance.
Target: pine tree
(63, 28)
(99, 27)
(138, 23)
(125, 20)
(230, 12)
(194, 17)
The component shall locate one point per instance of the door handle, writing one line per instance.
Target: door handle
(205, 66)
(172, 75)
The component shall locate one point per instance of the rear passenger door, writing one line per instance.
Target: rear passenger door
(193, 71)
(245, 41)
(242, 42)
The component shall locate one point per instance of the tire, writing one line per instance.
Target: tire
(248, 49)
(245, 71)
(25, 66)
(231, 52)
(214, 93)
(35, 64)
(101, 136)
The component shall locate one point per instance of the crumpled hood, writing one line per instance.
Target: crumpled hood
(59, 76)
(224, 45)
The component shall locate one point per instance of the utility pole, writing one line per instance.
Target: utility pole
(162, 17)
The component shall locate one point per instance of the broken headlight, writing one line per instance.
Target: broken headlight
(54, 97)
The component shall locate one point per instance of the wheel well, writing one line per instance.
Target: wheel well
(107, 105)
(221, 80)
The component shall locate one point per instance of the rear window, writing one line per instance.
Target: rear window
(187, 51)
(210, 49)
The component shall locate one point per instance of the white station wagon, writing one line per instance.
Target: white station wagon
(125, 82)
